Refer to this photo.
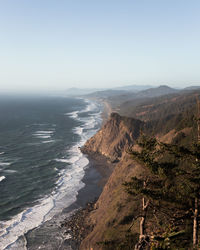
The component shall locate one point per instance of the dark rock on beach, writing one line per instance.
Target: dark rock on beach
(76, 228)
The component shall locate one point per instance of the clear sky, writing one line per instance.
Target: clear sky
(46, 44)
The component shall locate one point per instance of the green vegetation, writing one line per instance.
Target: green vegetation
(174, 181)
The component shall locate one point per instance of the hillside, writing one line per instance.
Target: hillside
(148, 109)
(125, 100)
(115, 209)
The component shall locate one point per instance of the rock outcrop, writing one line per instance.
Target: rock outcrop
(115, 210)
(112, 140)
(114, 137)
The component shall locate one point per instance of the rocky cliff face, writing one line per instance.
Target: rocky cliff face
(114, 137)
(112, 140)
(113, 207)
(114, 211)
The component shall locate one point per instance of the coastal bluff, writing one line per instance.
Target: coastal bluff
(111, 220)
(114, 221)
(112, 141)
(114, 138)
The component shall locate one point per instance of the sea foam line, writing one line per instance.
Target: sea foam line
(67, 188)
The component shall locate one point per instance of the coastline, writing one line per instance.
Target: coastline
(96, 175)
(107, 108)
(59, 163)
(55, 232)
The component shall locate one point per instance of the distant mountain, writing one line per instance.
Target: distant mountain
(107, 93)
(81, 91)
(134, 88)
(127, 92)
(154, 92)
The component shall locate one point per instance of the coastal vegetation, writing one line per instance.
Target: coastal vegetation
(151, 199)
(174, 181)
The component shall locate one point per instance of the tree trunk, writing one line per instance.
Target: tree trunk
(195, 223)
(142, 238)
(143, 219)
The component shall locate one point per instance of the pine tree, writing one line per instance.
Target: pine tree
(151, 187)
(175, 178)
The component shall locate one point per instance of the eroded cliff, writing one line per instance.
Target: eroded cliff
(114, 213)
(112, 140)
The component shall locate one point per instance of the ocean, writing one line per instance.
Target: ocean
(41, 165)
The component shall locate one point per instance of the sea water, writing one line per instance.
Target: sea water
(41, 165)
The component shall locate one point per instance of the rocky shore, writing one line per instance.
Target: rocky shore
(76, 225)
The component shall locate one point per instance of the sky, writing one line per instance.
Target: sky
(50, 45)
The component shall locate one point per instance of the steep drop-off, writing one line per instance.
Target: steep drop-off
(115, 210)
(114, 138)
(118, 134)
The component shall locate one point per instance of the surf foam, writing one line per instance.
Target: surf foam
(67, 187)
(2, 178)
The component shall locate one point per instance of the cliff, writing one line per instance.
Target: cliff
(114, 204)
(112, 219)
(116, 135)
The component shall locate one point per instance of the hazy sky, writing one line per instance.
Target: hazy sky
(58, 44)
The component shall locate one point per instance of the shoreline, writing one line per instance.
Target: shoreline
(107, 108)
(96, 175)
(93, 178)
(55, 231)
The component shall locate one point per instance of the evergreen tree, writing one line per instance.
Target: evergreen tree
(175, 178)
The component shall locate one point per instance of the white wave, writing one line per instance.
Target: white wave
(65, 193)
(45, 132)
(49, 141)
(5, 163)
(78, 130)
(90, 107)
(23, 222)
(2, 178)
(72, 114)
(9, 171)
(91, 124)
(1, 153)
(67, 187)
(43, 136)
(62, 160)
